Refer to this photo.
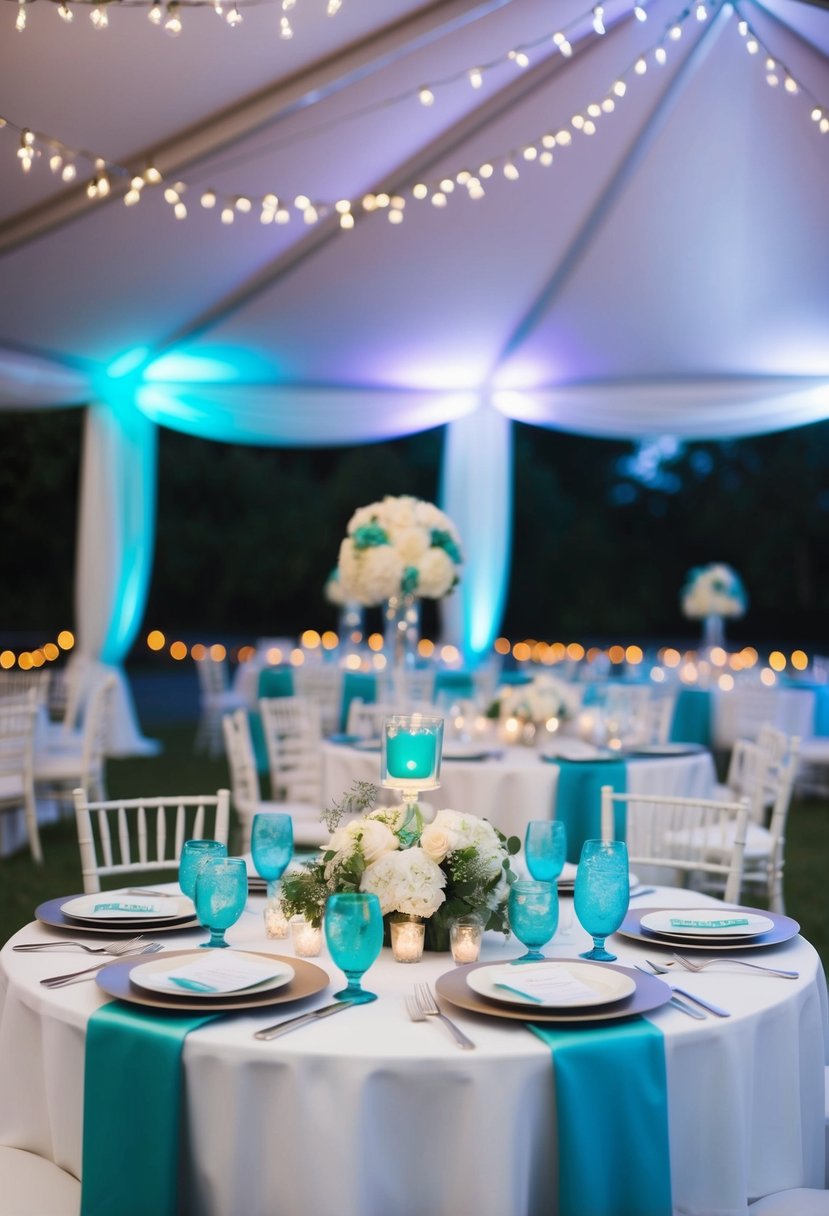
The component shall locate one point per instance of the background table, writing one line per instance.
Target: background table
(369, 1114)
(518, 785)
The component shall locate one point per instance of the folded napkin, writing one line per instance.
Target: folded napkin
(131, 1111)
(612, 1117)
(579, 799)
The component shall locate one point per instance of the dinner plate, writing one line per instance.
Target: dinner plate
(153, 976)
(465, 753)
(49, 913)
(582, 985)
(367, 745)
(664, 749)
(454, 987)
(112, 906)
(567, 879)
(308, 980)
(783, 930)
(705, 923)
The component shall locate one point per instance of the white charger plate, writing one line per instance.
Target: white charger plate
(82, 908)
(607, 986)
(660, 922)
(152, 977)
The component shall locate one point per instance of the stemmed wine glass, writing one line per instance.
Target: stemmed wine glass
(221, 895)
(602, 892)
(272, 846)
(533, 916)
(354, 936)
(193, 855)
(545, 848)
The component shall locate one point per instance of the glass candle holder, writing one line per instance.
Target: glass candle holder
(305, 937)
(465, 937)
(412, 745)
(407, 937)
(276, 922)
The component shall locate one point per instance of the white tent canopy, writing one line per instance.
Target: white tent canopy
(665, 273)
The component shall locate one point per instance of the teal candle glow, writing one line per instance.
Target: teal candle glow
(411, 755)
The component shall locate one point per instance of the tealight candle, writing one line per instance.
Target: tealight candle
(276, 922)
(407, 938)
(411, 754)
(306, 938)
(465, 936)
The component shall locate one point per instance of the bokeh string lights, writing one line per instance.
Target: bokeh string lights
(168, 14)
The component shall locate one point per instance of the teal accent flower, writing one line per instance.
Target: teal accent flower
(410, 580)
(445, 541)
(369, 536)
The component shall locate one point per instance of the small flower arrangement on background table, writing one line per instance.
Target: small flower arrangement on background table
(456, 865)
(712, 593)
(545, 701)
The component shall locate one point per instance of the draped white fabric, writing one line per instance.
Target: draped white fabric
(476, 493)
(30, 382)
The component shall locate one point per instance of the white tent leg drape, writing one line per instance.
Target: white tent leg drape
(476, 493)
(116, 528)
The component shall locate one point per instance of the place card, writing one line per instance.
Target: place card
(228, 973)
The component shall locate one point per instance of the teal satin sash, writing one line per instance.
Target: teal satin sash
(579, 799)
(131, 1111)
(692, 717)
(612, 1114)
(362, 684)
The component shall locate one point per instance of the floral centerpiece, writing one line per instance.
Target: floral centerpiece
(333, 591)
(456, 865)
(400, 546)
(536, 702)
(713, 590)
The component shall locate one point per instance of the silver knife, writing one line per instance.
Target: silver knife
(302, 1019)
(684, 1008)
(698, 1000)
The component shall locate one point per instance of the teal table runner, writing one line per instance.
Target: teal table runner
(132, 1110)
(579, 799)
(612, 1115)
(692, 717)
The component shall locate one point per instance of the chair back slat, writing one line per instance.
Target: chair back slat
(123, 836)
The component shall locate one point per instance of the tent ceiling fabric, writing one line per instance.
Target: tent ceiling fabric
(666, 274)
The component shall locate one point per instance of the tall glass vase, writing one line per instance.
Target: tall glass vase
(401, 631)
(352, 625)
(713, 632)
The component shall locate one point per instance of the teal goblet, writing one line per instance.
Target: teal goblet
(533, 915)
(194, 854)
(272, 846)
(354, 936)
(545, 848)
(221, 895)
(602, 892)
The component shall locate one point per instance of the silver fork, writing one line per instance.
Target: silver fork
(689, 966)
(114, 947)
(428, 1007)
(691, 996)
(60, 981)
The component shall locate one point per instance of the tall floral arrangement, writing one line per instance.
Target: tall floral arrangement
(537, 701)
(713, 590)
(400, 546)
(454, 866)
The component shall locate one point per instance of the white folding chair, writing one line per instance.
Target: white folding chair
(687, 836)
(325, 686)
(59, 769)
(309, 831)
(144, 835)
(216, 698)
(32, 1186)
(292, 728)
(17, 790)
(365, 720)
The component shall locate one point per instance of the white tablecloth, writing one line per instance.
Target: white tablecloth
(519, 785)
(368, 1114)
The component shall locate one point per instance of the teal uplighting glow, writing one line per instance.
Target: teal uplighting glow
(222, 366)
(128, 362)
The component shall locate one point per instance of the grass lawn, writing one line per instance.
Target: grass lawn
(178, 770)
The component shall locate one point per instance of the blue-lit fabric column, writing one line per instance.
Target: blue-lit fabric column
(116, 529)
(476, 493)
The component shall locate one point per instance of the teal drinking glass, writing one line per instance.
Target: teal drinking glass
(193, 855)
(221, 895)
(533, 916)
(602, 892)
(545, 848)
(354, 936)
(272, 846)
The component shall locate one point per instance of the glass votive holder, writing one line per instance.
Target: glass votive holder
(407, 937)
(276, 922)
(465, 937)
(306, 938)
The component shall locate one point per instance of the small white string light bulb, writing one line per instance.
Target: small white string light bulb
(425, 96)
(65, 12)
(173, 22)
(476, 77)
(285, 28)
(99, 17)
(333, 7)
(20, 19)
(598, 19)
(234, 17)
(155, 14)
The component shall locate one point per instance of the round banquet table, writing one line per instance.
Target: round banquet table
(369, 1114)
(515, 784)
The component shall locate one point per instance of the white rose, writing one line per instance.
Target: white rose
(436, 842)
(376, 840)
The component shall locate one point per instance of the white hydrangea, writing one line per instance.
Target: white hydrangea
(407, 881)
(436, 574)
(544, 697)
